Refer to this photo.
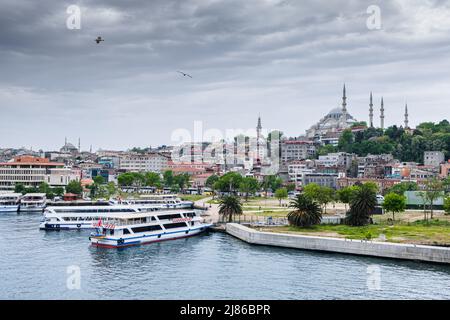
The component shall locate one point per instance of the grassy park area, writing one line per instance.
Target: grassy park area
(434, 232)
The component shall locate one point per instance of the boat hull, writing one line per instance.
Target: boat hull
(112, 243)
(66, 226)
(31, 209)
(14, 208)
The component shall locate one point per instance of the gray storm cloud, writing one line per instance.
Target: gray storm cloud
(286, 60)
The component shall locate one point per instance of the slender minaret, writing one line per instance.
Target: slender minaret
(382, 114)
(371, 110)
(344, 101)
(79, 145)
(258, 137)
(406, 117)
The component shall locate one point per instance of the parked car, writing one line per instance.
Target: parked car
(380, 199)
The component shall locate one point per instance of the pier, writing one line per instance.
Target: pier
(357, 247)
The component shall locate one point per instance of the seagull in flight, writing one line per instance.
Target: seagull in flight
(185, 74)
(99, 39)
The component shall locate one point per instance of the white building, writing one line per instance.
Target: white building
(292, 150)
(433, 158)
(154, 162)
(340, 159)
(31, 172)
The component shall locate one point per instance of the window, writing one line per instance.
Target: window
(146, 229)
(170, 216)
(175, 225)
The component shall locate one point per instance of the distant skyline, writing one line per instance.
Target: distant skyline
(284, 60)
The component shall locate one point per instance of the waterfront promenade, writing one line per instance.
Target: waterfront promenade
(358, 247)
(212, 209)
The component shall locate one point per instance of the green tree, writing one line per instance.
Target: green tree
(99, 180)
(126, 179)
(345, 195)
(168, 178)
(74, 187)
(229, 206)
(181, 180)
(447, 205)
(434, 189)
(290, 187)
(152, 179)
(401, 188)
(281, 194)
(362, 204)
(248, 185)
(346, 141)
(19, 188)
(306, 212)
(211, 181)
(394, 203)
(229, 182)
(326, 196)
(312, 191)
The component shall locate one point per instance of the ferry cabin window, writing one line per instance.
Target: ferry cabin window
(126, 231)
(175, 225)
(146, 228)
(170, 216)
(189, 214)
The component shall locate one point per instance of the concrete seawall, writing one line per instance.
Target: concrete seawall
(358, 247)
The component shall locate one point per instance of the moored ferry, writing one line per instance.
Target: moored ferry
(82, 217)
(9, 202)
(33, 202)
(166, 201)
(126, 229)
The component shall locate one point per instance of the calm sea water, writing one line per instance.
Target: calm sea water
(33, 265)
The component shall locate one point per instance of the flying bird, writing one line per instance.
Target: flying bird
(185, 74)
(99, 39)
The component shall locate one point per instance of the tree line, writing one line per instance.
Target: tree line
(402, 144)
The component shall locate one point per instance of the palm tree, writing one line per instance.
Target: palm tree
(229, 206)
(362, 203)
(306, 212)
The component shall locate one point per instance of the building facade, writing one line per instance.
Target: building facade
(153, 162)
(31, 172)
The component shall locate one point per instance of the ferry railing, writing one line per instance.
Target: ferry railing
(253, 219)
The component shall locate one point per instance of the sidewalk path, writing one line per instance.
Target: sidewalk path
(213, 209)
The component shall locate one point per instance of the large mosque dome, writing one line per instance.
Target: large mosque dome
(336, 120)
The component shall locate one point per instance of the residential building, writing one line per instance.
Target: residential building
(154, 162)
(433, 158)
(28, 170)
(292, 150)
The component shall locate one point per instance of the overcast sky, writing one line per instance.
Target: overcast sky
(283, 59)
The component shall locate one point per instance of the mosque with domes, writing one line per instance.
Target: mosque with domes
(337, 120)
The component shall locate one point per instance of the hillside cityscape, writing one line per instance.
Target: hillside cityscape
(336, 152)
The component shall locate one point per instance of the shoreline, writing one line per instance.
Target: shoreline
(423, 253)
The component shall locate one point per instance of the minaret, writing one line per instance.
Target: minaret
(382, 114)
(344, 101)
(406, 117)
(79, 145)
(258, 137)
(371, 110)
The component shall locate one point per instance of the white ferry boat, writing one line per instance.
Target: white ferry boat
(123, 230)
(82, 217)
(33, 202)
(9, 202)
